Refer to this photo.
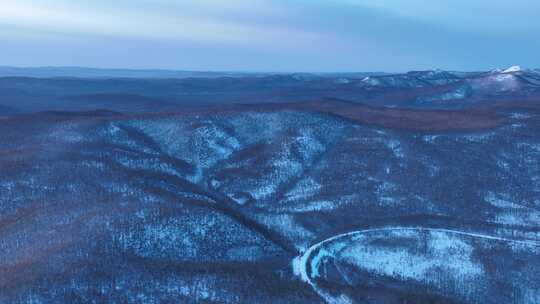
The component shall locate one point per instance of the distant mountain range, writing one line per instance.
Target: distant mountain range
(83, 72)
(82, 89)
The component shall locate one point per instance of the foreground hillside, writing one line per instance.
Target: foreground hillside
(310, 202)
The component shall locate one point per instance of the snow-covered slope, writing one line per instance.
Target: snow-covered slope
(213, 206)
(512, 69)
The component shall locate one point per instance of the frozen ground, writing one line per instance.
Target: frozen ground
(214, 204)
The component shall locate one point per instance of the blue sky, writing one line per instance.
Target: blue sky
(271, 35)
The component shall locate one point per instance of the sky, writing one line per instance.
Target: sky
(271, 35)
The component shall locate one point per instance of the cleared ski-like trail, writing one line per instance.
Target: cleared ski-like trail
(304, 267)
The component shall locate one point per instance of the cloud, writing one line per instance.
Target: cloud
(140, 19)
(473, 15)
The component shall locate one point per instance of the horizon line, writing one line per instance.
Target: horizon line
(174, 70)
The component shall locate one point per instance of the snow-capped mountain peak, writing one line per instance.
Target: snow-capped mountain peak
(512, 69)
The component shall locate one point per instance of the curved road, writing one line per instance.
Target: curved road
(303, 266)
